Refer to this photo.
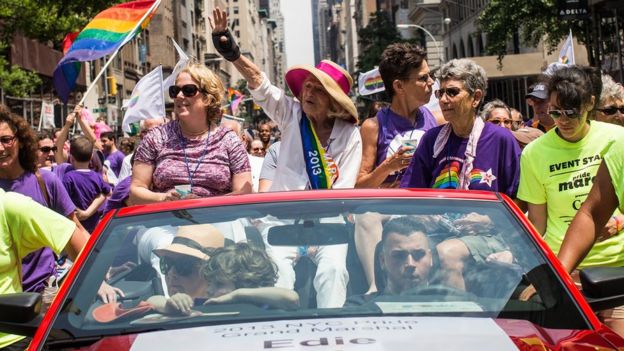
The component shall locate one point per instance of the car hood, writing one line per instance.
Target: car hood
(361, 334)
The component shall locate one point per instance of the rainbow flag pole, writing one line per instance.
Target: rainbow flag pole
(112, 56)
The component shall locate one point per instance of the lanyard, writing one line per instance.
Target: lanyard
(186, 161)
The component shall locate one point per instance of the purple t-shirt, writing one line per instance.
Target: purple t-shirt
(119, 196)
(83, 186)
(116, 161)
(495, 168)
(39, 265)
(394, 129)
(61, 169)
(208, 164)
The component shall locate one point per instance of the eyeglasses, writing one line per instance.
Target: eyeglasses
(450, 92)
(47, 149)
(506, 122)
(555, 114)
(188, 90)
(611, 110)
(184, 266)
(7, 140)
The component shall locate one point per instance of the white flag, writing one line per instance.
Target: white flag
(566, 55)
(184, 59)
(46, 120)
(370, 82)
(147, 100)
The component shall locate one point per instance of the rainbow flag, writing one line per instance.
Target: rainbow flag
(234, 98)
(107, 32)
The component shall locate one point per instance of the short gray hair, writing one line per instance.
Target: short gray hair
(467, 71)
(610, 90)
(487, 109)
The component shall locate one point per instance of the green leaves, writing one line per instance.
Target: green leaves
(16, 81)
(373, 39)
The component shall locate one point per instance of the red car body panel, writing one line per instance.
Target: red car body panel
(524, 334)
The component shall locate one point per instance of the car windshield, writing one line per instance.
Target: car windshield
(305, 259)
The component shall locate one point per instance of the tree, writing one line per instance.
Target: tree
(373, 39)
(532, 21)
(47, 21)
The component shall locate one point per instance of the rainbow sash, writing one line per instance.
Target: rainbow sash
(318, 167)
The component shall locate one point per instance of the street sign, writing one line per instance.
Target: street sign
(101, 101)
(99, 109)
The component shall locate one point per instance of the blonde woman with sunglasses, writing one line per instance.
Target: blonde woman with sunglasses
(191, 156)
(558, 169)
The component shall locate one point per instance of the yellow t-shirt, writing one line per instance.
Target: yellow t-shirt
(560, 174)
(614, 160)
(25, 226)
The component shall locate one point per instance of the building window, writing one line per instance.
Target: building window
(235, 9)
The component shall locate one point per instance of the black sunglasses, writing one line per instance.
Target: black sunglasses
(555, 114)
(188, 90)
(450, 92)
(46, 149)
(611, 110)
(506, 122)
(183, 266)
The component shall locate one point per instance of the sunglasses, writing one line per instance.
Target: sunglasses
(47, 149)
(555, 114)
(450, 92)
(611, 110)
(7, 140)
(506, 122)
(188, 90)
(184, 266)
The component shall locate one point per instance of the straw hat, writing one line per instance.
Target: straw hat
(335, 79)
(192, 240)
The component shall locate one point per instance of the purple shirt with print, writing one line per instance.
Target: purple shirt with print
(119, 196)
(207, 164)
(116, 161)
(84, 186)
(39, 265)
(495, 168)
(392, 125)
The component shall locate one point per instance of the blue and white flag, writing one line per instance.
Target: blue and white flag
(147, 100)
(566, 55)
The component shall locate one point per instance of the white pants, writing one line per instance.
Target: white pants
(331, 277)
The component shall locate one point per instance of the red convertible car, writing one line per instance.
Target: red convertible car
(283, 271)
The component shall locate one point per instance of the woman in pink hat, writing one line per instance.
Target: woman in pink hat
(319, 131)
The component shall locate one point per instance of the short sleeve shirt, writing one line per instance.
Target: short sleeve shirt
(614, 160)
(495, 168)
(207, 164)
(25, 226)
(560, 174)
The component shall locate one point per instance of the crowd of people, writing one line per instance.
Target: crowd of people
(315, 140)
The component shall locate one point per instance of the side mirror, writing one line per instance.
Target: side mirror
(308, 233)
(603, 287)
(19, 313)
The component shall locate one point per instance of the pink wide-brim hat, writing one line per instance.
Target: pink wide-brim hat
(335, 79)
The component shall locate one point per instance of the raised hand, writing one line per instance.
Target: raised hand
(222, 38)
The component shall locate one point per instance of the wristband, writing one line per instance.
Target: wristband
(226, 45)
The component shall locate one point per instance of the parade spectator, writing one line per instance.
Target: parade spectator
(517, 121)
(611, 105)
(114, 157)
(29, 227)
(18, 173)
(126, 146)
(537, 98)
(257, 148)
(466, 153)
(498, 113)
(558, 168)
(85, 186)
(264, 133)
(45, 150)
(390, 139)
(255, 162)
(269, 165)
(319, 130)
(145, 126)
(191, 156)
